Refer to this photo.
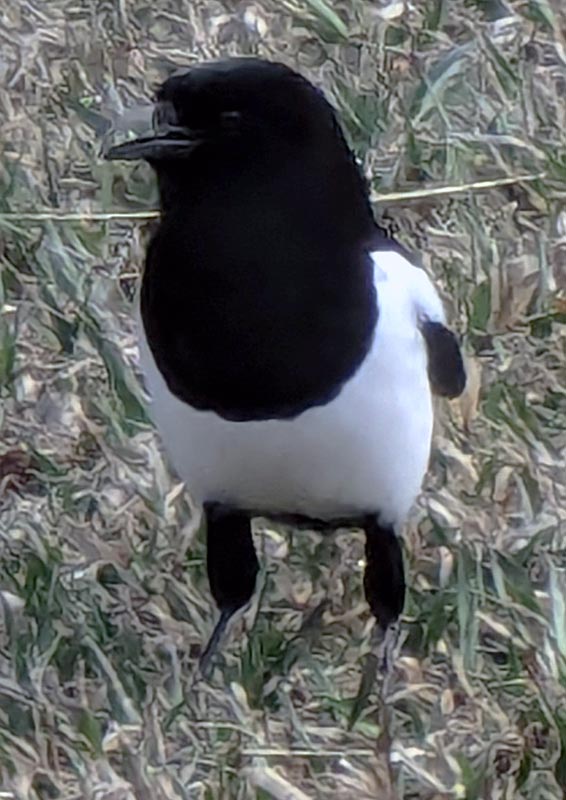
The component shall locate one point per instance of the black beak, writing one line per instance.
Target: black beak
(166, 138)
(171, 144)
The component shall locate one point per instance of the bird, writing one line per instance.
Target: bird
(291, 348)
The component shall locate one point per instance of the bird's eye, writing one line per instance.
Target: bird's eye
(164, 115)
(230, 120)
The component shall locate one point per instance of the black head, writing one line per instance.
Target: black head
(223, 100)
(256, 122)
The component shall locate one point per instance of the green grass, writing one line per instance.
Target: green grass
(105, 602)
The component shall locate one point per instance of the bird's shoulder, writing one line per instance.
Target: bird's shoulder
(406, 293)
(400, 282)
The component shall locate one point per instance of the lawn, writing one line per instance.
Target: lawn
(457, 111)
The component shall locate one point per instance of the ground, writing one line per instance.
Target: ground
(457, 112)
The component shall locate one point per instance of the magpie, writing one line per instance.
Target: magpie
(290, 347)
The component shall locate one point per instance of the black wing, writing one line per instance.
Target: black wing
(446, 371)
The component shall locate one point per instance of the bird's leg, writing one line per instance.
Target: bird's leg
(232, 569)
(384, 583)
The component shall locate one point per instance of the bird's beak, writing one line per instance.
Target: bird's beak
(159, 135)
(171, 143)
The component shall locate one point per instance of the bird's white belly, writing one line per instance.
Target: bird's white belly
(365, 451)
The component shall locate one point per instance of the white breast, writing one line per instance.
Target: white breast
(366, 451)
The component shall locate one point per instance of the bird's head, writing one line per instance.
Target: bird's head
(237, 100)
(263, 128)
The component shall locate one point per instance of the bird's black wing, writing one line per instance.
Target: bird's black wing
(446, 371)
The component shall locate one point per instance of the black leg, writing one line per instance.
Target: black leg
(232, 568)
(384, 578)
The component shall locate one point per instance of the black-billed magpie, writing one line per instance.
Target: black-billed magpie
(290, 348)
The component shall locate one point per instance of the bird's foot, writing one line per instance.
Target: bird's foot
(384, 645)
(219, 637)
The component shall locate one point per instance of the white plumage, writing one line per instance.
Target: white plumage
(365, 451)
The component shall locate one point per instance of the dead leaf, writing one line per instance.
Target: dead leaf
(470, 398)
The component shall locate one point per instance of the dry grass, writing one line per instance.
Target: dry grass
(104, 597)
